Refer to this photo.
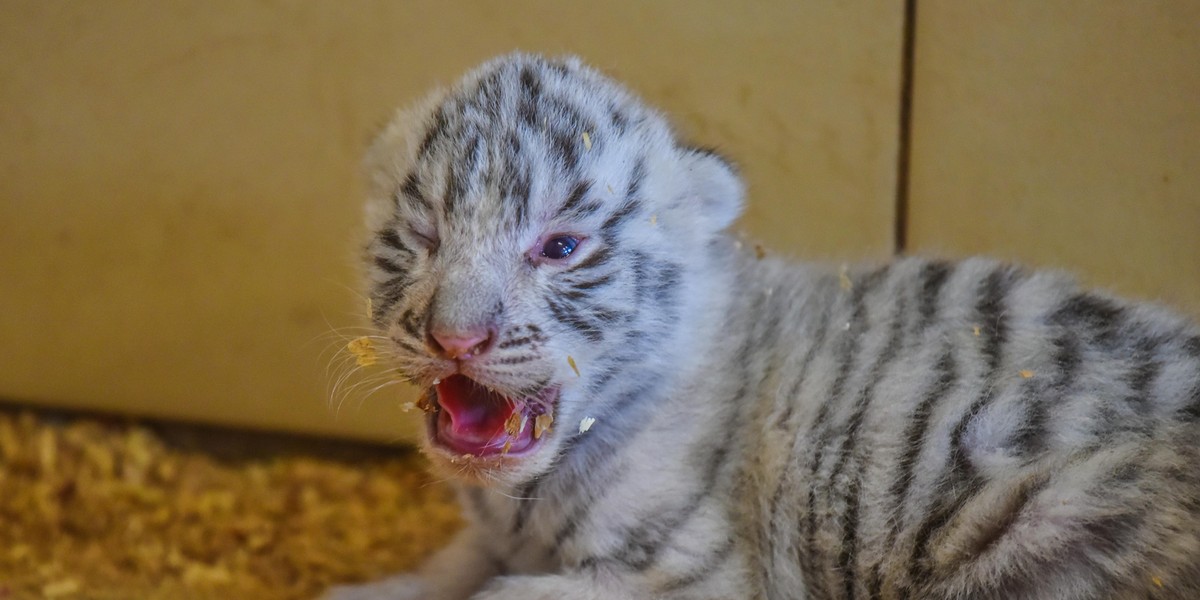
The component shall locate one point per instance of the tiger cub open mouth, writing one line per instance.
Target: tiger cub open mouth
(465, 417)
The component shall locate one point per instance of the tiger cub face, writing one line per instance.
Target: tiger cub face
(538, 239)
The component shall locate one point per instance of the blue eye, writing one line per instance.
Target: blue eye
(560, 247)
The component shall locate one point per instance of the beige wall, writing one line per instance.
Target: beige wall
(179, 192)
(1064, 134)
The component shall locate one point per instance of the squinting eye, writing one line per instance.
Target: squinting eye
(560, 247)
(429, 241)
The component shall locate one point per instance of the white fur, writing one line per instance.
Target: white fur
(755, 419)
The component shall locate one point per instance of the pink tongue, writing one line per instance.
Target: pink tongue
(471, 415)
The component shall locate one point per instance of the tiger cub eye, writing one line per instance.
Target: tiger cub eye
(560, 247)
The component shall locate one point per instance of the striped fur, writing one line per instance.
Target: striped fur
(912, 430)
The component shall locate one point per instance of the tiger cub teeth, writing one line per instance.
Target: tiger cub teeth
(542, 424)
(515, 424)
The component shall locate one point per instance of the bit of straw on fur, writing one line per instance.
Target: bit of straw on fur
(363, 351)
(844, 279)
(586, 424)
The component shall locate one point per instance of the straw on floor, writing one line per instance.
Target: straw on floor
(95, 508)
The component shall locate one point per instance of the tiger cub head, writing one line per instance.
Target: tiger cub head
(540, 243)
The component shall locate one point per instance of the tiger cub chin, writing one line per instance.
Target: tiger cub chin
(635, 405)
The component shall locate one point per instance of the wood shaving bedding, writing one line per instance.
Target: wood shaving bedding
(90, 509)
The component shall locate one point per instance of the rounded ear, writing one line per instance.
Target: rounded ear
(715, 185)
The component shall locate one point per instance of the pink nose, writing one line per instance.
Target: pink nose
(461, 345)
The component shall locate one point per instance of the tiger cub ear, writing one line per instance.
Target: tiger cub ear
(714, 185)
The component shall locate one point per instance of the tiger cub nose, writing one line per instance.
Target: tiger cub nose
(461, 345)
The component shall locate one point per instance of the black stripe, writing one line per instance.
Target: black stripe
(530, 83)
(527, 109)
(515, 360)
(945, 377)
(598, 257)
(461, 173)
(514, 342)
(764, 333)
(568, 114)
(705, 151)
(1101, 316)
(701, 572)
(643, 543)
(436, 130)
(846, 359)
(406, 345)
(665, 285)
(619, 121)
(389, 293)
(639, 262)
(802, 373)
(602, 376)
(517, 183)
(411, 189)
(498, 565)
(785, 418)
(993, 531)
(392, 240)
(411, 323)
(1192, 347)
(515, 148)
(636, 177)
(853, 499)
(575, 197)
(526, 498)
(961, 482)
(1038, 399)
(389, 266)
(933, 278)
(994, 333)
(1141, 378)
(1111, 534)
(1190, 413)
(991, 311)
(488, 93)
(566, 146)
(592, 284)
(618, 217)
(456, 186)
(572, 320)
(592, 458)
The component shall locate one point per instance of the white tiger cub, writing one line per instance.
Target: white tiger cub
(547, 256)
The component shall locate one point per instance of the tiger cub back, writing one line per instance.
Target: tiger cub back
(974, 430)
